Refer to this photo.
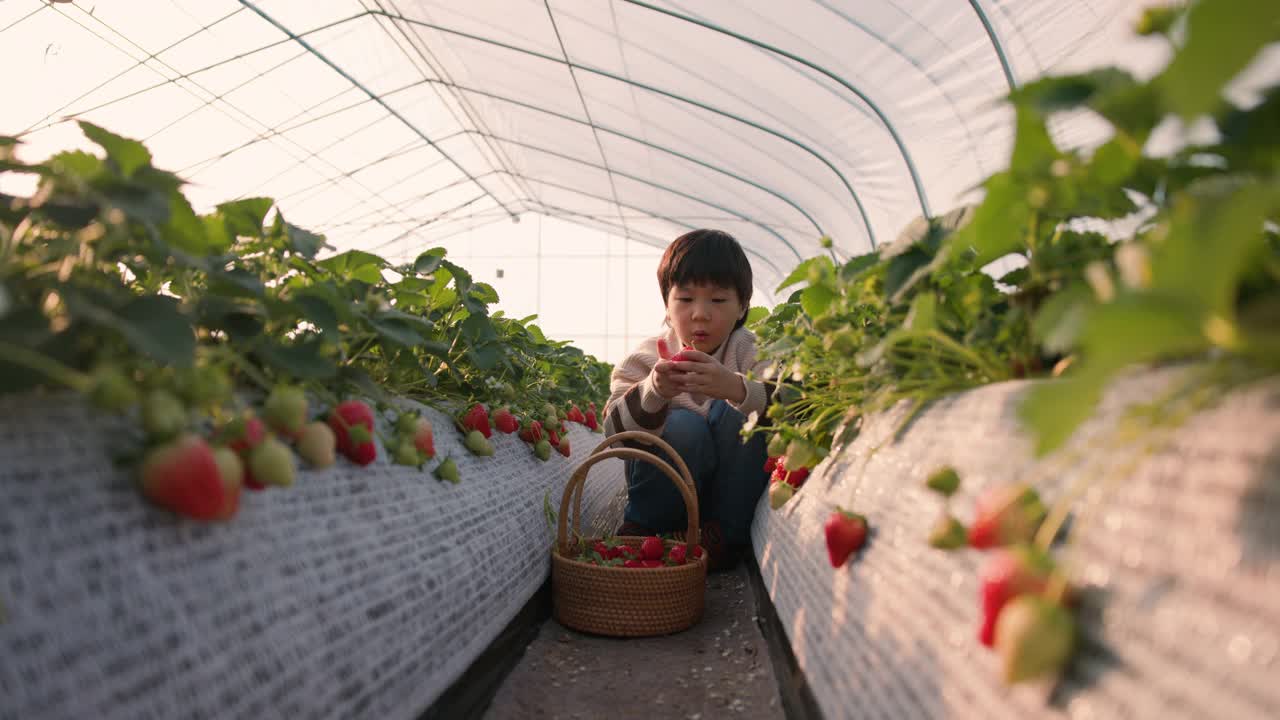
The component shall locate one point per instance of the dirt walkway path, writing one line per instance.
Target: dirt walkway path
(718, 668)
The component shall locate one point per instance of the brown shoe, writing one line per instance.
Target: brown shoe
(720, 556)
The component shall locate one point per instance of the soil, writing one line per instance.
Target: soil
(718, 668)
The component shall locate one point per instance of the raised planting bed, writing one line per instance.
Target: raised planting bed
(357, 592)
(1172, 548)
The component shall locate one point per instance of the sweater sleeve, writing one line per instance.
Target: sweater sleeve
(634, 403)
(759, 392)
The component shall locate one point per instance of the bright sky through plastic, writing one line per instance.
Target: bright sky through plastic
(228, 101)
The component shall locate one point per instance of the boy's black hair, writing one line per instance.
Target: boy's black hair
(706, 257)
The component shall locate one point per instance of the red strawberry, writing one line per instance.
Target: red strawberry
(633, 563)
(627, 552)
(590, 420)
(285, 410)
(652, 548)
(697, 551)
(664, 352)
(1009, 573)
(424, 439)
(575, 415)
(1005, 515)
(591, 407)
(1034, 637)
(604, 550)
(477, 418)
(183, 476)
(532, 432)
(846, 532)
(677, 554)
(796, 478)
(243, 433)
(352, 423)
(563, 447)
(505, 421)
(231, 472)
(770, 464)
(552, 437)
(651, 563)
(683, 355)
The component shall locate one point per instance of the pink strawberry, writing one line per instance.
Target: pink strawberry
(352, 423)
(231, 472)
(846, 532)
(183, 476)
(1005, 515)
(652, 548)
(243, 433)
(505, 421)
(316, 444)
(424, 439)
(1009, 573)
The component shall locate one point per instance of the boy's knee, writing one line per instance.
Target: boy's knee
(686, 432)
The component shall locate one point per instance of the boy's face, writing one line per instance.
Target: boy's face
(703, 315)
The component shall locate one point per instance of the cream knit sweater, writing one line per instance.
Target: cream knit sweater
(634, 402)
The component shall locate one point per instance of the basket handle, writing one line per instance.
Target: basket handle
(579, 478)
(645, 438)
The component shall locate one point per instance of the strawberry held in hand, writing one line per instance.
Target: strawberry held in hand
(183, 476)
(846, 532)
(1005, 515)
(352, 423)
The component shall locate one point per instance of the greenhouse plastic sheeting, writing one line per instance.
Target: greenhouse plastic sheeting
(1181, 624)
(357, 592)
(389, 125)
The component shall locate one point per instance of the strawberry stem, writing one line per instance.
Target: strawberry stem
(45, 365)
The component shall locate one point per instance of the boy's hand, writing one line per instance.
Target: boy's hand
(666, 379)
(698, 372)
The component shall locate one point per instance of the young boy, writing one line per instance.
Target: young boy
(699, 402)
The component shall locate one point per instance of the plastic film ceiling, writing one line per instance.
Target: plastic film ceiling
(389, 125)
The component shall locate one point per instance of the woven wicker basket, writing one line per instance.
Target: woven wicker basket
(627, 602)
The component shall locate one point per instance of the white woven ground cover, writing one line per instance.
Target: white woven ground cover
(1181, 555)
(358, 592)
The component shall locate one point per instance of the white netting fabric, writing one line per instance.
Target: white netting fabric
(1180, 555)
(355, 593)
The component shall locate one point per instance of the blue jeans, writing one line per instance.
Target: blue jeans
(729, 475)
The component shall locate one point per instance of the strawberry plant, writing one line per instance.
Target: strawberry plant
(1181, 259)
(112, 285)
